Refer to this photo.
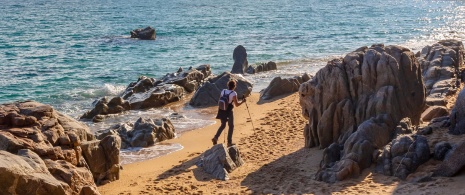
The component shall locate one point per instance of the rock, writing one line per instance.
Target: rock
(425, 131)
(457, 116)
(434, 112)
(147, 33)
(350, 90)
(403, 156)
(209, 93)
(358, 150)
(27, 175)
(147, 132)
(262, 67)
(240, 60)
(76, 177)
(149, 93)
(218, 161)
(404, 127)
(107, 150)
(441, 150)
(453, 163)
(441, 63)
(279, 86)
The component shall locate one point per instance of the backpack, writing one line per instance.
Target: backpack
(224, 101)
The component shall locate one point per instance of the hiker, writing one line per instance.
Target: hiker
(225, 112)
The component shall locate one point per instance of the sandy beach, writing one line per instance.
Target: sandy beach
(276, 161)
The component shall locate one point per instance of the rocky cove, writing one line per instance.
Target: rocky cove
(369, 107)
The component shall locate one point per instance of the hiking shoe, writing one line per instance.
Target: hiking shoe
(231, 144)
(214, 141)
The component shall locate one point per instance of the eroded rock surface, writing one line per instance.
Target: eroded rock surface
(240, 60)
(219, 161)
(281, 86)
(369, 90)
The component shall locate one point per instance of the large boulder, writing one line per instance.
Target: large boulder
(209, 93)
(147, 33)
(105, 150)
(279, 86)
(47, 134)
(24, 175)
(441, 64)
(365, 92)
(240, 60)
(219, 161)
(403, 156)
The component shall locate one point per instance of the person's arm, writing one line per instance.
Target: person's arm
(236, 103)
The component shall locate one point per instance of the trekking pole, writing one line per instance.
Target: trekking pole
(253, 128)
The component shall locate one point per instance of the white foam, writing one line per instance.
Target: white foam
(137, 154)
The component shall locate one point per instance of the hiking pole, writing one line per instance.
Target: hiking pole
(253, 128)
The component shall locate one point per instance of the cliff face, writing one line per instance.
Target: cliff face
(53, 149)
(356, 101)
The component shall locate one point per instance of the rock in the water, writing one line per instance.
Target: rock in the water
(209, 93)
(240, 60)
(279, 86)
(219, 161)
(453, 163)
(147, 33)
(262, 67)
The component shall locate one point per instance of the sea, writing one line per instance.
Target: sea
(69, 53)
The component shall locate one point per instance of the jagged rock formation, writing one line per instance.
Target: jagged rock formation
(262, 67)
(60, 140)
(369, 90)
(209, 93)
(147, 33)
(149, 92)
(219, 161)
(144, 132)
(279, 86)
(403, 156)
(240, 60)
(441, 64)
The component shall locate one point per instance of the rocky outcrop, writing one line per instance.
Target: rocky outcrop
(209, 93)
(147, 33)
(366, 92)
(453, 163)
(457, 116)
(36, 131)
(279, 86)
(441, 64)
(240, 60)
(403, 156)
(434, 112)
(144, 132)
(219, 161)
(262, 67)
(149, 93)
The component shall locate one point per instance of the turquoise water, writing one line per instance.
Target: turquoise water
(69, 53)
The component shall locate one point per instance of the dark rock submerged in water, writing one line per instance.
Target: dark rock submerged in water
(209, 93)
(356, 102)
(280, 86)
(149, 93)
(39, 139)
(262, 67)
(147, 33)
(144, 132)
(240, 60)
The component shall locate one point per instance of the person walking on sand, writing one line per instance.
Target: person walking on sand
(226, 114)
